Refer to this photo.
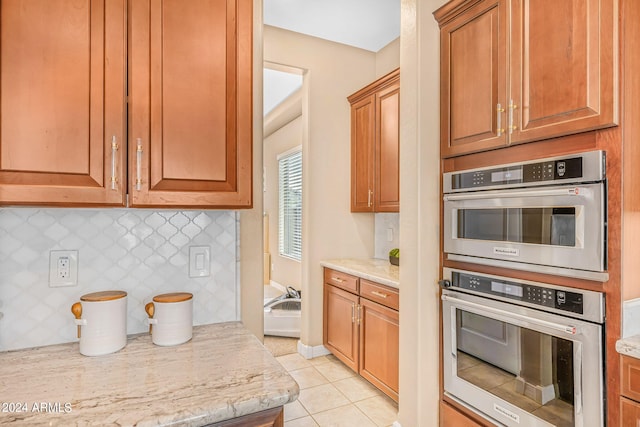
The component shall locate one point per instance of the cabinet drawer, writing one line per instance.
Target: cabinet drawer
(631, 377)
(381, 294)
(341, 280)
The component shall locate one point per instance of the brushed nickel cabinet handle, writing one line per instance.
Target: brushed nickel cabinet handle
(369, 198)
(114, 153)
(499, 111)
(353, 312)
(139, 164)
(337, 279)
(379, 294)
(359, 314)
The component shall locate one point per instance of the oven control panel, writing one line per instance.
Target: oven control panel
(577, 168)
(564, 300)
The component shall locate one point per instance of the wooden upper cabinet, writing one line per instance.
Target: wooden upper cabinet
(375, 146)
(387, 150)
(515, 71)
(190, 103)
(473, 69)
(362, 154)
(62, 102)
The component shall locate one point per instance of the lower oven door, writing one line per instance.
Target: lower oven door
(521, 366)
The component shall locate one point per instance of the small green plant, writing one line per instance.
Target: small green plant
(394, 253)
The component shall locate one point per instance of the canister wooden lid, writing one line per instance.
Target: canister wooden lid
(103, 296)
(173, 297)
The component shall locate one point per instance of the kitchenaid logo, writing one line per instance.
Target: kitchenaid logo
(507, 413)
(506, 251)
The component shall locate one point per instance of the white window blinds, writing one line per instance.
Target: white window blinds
(290, 204)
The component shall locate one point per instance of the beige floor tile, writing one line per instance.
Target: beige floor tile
(335, 370)
(380, 409)
(292, 362)
(345, 416)
(322, 359)
(356, 388)
(308, 377)
(301, 422)
(294, 410)
(321, 398)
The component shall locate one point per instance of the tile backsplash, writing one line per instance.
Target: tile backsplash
(386, 223)
(142, 252)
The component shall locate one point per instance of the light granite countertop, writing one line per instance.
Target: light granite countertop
(629, 346)
(376, 270)
(223, 372)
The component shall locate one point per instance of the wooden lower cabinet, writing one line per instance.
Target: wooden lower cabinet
(630, 391)
(362, 333)
(340, 330)
(379, 346)
(270, 418)
(449, 417)
(629, 413)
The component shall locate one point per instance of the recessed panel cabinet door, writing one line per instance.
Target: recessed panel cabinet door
(473, 76)
(387, 150)
(379, 346)
(563, 67)
(190, 134)
(62, 88)
(340, 330)
(363, 131)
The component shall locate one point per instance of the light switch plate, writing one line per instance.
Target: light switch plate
(199, 261)
(63, 268)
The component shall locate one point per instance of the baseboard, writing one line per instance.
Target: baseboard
(310, 352)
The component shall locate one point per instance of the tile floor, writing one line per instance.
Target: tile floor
(333, 395)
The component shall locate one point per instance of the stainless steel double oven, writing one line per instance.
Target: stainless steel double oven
(518, 352)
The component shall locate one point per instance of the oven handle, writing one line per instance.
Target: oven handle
(573, 191)
(556, 326)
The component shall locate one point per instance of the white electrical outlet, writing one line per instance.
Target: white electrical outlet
(63, 268)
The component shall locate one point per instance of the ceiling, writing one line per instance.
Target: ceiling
(365, 24)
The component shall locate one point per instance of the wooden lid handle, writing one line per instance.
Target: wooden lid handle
(76, 309)
(150, 308)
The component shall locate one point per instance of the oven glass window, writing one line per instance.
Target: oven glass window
(526, 368)
(542, 226)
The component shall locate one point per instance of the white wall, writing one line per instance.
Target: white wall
(286, 271)
(388, 58)
(330, 230)
(419, 218)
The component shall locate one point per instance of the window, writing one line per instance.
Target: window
(290, 204)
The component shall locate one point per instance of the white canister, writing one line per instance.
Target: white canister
(102, 322)
(171, 318)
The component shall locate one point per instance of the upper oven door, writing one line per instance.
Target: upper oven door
(521, 366)
(562, 226)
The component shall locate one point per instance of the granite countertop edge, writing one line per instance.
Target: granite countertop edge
(629, 346)
(224, 372)
(376, 270)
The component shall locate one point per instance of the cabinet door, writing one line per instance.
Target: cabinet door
(362, 154)
(563, 67)
(340, 330)
(379, 346)
(190, 115)
(62, 89)
(387, 150)
(629, 413)
(473, 77)
(449, 417)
